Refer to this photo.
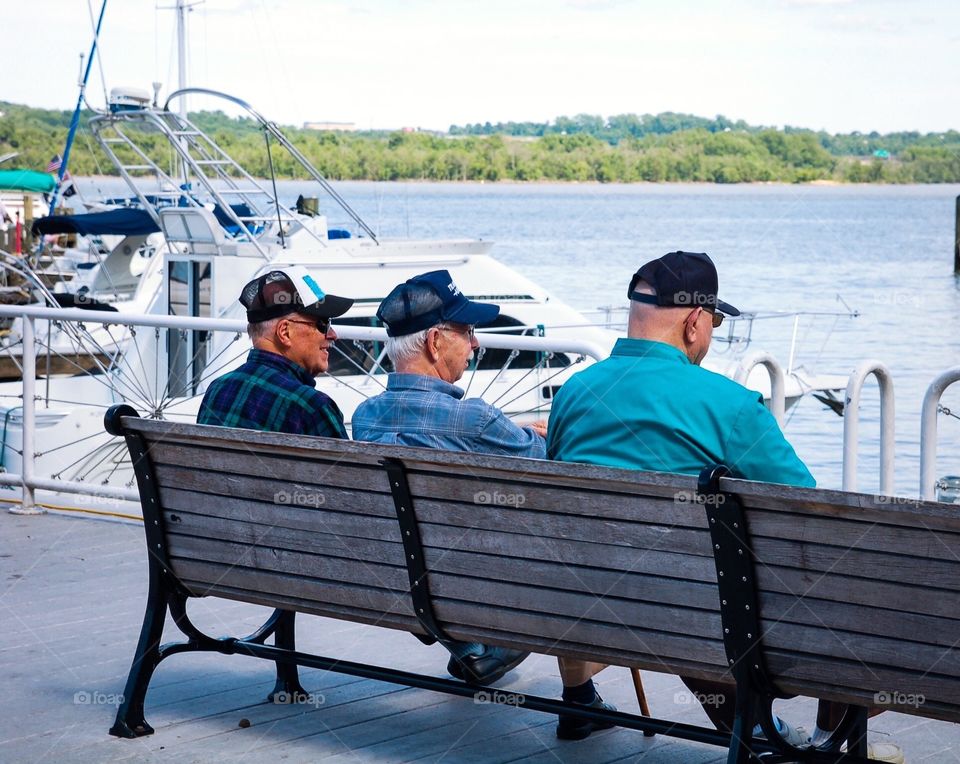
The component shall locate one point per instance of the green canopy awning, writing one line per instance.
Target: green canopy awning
(26, 180)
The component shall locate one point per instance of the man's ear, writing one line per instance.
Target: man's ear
(281, 334)
(690, 329)
(432, 344)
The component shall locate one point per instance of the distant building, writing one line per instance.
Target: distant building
(345, 127)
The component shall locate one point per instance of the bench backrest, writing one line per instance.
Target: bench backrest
(605, 564)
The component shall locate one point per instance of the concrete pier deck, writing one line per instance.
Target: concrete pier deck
(72, 601)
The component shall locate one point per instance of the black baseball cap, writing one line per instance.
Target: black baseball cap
(681, 279)
(289, 290)
(430, 299)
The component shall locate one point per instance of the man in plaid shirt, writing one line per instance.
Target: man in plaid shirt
(275, 390)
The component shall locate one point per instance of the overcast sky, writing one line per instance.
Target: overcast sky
(840, 65)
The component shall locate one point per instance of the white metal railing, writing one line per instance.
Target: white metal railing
(777, 380)
(30, 483)
(851, 425)
(928, 432)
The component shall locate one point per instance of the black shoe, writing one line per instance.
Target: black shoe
(574, 728)
(487, 667)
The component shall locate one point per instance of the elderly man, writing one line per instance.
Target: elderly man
(650, 406)
(288, 317)
(430, 340)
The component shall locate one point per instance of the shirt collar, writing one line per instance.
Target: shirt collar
(422, 383)
(277, 361)
(648, 349)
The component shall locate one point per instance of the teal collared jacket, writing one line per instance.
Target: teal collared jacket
(647, 407)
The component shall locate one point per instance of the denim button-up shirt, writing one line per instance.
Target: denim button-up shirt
(427, 412)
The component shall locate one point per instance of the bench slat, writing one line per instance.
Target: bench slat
(544, 630)
(576, 526)
(578, 604)
(847, 617)
(856, 591)
(851, 678)
(208, 576)
(319, 566)
(361, 550)
(439, 540)
(599, 500)
(839, 562)
(857, 533)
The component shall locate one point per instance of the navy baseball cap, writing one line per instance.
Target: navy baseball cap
(430, 299)
(289, 290)
(681, 279)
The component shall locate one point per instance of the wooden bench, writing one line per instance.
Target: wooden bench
(849, 597)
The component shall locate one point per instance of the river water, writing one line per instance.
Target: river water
(883, 251)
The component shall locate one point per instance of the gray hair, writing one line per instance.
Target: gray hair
(261, 329)
(406, 348)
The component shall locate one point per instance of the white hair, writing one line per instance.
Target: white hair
(407, 348)
(261, 329)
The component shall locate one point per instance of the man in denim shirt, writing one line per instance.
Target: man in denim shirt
(430, 341)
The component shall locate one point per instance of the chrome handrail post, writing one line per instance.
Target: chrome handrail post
(851, 425)
(777, 380)
(928, 432)
(28, 504)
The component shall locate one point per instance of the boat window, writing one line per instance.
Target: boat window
(189, 295)
(494, 359)
(348, 357)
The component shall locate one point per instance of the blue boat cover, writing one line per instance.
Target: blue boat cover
(126, 222)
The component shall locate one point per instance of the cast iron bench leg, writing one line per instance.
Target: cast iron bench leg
(288, 688)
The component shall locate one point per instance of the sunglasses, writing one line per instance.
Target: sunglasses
(468, 330)
(717, 318)
(322, 325)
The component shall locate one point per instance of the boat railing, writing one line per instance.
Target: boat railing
(736, 332)
(851, 425)
(928, 431)
(30, 482)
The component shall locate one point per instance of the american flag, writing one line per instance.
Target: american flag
(55, 163)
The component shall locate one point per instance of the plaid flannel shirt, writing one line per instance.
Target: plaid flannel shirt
(425, 411)
(271, 393)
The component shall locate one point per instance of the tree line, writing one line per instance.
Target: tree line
(629, 148)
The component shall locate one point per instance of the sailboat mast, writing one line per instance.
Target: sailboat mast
(182, 9)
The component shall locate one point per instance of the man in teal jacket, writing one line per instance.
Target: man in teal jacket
(650, 406)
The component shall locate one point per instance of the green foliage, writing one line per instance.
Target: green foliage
(625, 148)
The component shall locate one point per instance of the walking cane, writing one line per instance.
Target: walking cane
(641, 697)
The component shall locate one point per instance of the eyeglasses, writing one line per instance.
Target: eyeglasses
(717, 318)
(470, 330)
(322, 325)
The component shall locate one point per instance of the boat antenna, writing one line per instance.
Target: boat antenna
(75, 121)
(273, 180)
